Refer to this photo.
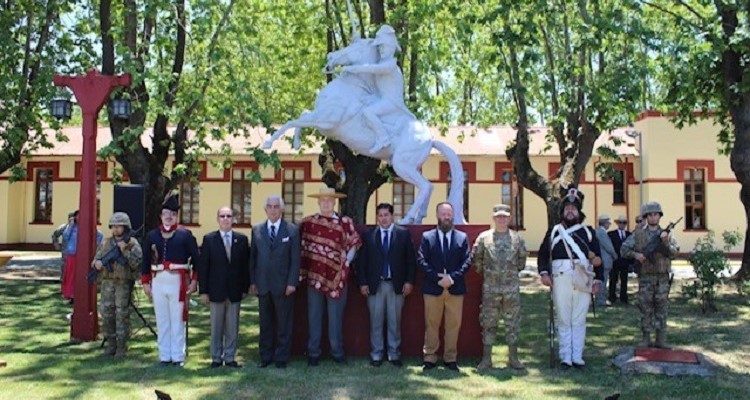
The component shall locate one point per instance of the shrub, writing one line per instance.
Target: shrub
(710, 264)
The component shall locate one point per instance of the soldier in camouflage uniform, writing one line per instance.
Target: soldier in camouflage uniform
(117, 286)
(499, 254)
(653, 280)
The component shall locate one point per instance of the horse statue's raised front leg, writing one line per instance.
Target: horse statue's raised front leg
(308, 119)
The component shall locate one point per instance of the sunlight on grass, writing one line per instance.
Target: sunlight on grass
(42, 364)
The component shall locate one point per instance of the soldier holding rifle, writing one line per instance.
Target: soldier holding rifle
(653, 248)
(116, 266)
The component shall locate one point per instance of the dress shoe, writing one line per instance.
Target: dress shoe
(453, 366)
(233, 364)
(280, 364)
(339, 360)
(216, 364)
(264, 363)
(426, 366)
(396, 363)
(579, 365)
(313, 361)
(165, 363)
(376, 363)
(565, 366)
(178, 364)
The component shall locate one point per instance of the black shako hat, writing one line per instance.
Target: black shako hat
(575, 197)
(171, 202)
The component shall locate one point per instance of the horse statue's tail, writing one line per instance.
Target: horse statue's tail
(456, 195)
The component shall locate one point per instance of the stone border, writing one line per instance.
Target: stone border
(626, 363)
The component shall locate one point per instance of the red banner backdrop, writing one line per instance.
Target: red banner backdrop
(356, 315)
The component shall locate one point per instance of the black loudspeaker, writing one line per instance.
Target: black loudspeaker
(131, 199)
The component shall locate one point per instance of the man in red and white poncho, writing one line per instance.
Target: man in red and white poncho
(329, 244)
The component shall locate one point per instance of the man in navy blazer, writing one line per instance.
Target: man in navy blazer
(223, 279)
(444, 258)
(621, 266)
(386, 268)
(274, 274)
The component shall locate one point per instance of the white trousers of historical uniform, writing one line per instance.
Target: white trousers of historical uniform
(571, 307)
(168, 310)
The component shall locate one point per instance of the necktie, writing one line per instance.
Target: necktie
(228, 246)
(273, 233)
(445, 247)
(622, 235)
(386, 270)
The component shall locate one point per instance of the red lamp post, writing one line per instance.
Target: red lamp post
(92, 91)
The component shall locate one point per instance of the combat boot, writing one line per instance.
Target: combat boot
(646, 341)
(110, 346)
(122, 347)
(661, 341)
(486, 362)
(513, 361)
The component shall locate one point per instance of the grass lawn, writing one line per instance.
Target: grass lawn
(42, 364)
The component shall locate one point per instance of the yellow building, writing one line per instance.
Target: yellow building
(680, 168)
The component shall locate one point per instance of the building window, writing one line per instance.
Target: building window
(293, 190)
(242, 194)
(403, 197)
(466, 191)
(43, 195)
(695, 198)
(190, 196)
(511, 194)
(618, 187)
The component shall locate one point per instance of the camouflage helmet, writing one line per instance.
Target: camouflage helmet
(120, 218)
(651, 207)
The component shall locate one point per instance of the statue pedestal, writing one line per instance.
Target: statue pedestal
(357, 316)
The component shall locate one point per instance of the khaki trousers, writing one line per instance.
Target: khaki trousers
(435, 307)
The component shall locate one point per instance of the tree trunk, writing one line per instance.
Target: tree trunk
(363, 176)
(740, 162)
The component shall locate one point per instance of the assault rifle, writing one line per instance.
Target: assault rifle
(656, 245)
(113, 255)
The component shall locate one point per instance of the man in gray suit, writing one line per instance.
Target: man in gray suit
(608, 255)
(274, 273)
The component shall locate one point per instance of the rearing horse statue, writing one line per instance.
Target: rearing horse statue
(341, 113)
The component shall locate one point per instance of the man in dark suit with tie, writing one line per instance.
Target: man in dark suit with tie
(223, 278)
(386, 268)
(274, 273)
(444, 258)
(621, 266)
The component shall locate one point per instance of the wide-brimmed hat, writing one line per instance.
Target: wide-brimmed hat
(501, 209)
(327, 192)
(622, 218)
(604, 218)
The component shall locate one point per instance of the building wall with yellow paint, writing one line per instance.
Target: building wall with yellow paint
(664, 149)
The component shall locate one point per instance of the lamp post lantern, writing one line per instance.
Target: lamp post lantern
(91, 91)
(633, 134)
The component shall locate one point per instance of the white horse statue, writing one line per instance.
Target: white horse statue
(341, 113)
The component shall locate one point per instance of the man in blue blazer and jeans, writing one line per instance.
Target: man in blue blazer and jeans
(444, 258)
(385, 274)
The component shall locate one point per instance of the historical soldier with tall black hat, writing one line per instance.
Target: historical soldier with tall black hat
(168, 279)
(569, 262)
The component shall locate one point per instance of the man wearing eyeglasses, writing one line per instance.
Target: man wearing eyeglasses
(274, 275)
(168, 280)
(223, 278)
